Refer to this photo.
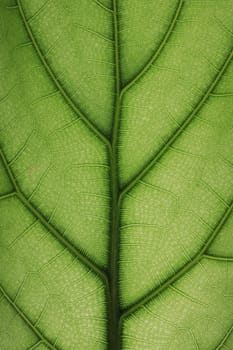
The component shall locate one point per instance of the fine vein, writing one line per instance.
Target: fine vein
(201, 254)
(8, 195)
(99, 3)
(218, 258)
(33, 347)
(76, 252)
(159, 50)
(55, 80)
(179, 131)
(115, 319)
(26, 319)
(225, 338)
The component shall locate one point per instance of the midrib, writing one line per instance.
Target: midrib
(114, 306)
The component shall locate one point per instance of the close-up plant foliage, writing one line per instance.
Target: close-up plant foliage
(116, 175)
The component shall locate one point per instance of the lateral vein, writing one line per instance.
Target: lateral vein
(201, 254)
(225, 338)
(103, 6)
(65, 242)
(159, 50)
(179, 130)
(218, 258)
(26, 319)
(57, 83)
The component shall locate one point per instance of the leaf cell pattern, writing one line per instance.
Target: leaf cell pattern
(116, 175)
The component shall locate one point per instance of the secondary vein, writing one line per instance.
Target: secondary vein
(179, 131)
(27, 321)
(159, 49)
(225, 338)
(57, 83)
(201, 254)
(75, 251)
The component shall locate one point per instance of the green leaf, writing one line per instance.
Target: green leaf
(116, 175)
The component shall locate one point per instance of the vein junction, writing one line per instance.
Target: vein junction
(110, 279)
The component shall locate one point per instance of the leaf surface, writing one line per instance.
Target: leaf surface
(116, 179)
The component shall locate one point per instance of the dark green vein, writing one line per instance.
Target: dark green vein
(38, 11)
(218, 258)
(103, 6)
(151, 295)
(159, 49)
(33, 347)
(27, 321)
(8, 195)
(56, 82)
(76, 252)
(225, 338)
(179, 131)
(114, 339)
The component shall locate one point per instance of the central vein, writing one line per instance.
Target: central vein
(114, 310)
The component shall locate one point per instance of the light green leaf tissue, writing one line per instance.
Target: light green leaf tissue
(116, 175)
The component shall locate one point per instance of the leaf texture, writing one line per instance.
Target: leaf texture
(116, 175)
